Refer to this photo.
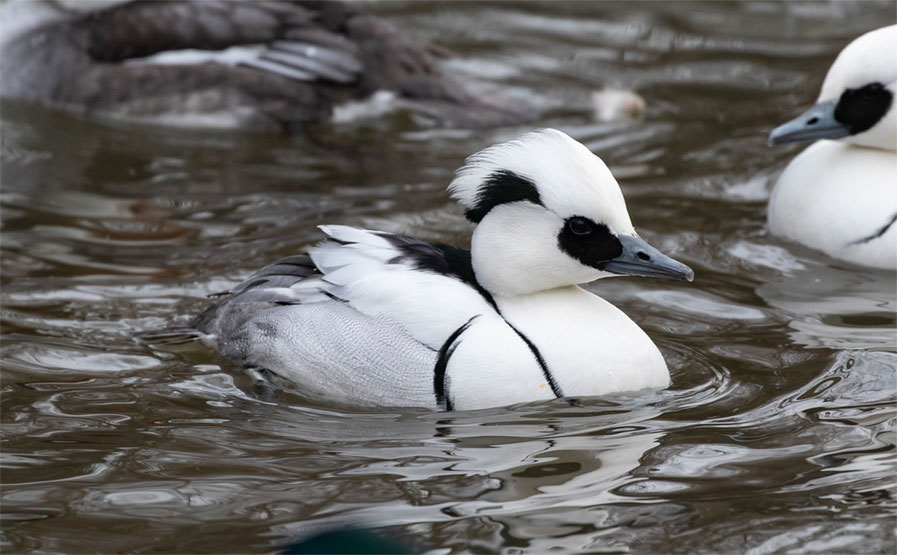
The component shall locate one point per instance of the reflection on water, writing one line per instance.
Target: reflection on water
(778, 431)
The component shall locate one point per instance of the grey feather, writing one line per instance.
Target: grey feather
(344, 59)
(325, 348)
(279, 69)
(267, 296)
(311, 60)
(281, 273)
(331, 351)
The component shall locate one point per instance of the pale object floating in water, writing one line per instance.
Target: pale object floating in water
(617, 105)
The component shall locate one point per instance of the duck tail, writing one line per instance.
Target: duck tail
(175, 335)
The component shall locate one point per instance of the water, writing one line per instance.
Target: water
(777, 435)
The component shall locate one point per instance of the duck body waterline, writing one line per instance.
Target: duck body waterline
(557, 343)
(839, 195)
(840, 199)
(375, 318)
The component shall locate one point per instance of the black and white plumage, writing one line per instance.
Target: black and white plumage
(839, 195)
(370, 317)
(226, 64)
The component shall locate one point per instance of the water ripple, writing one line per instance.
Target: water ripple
(777, 434)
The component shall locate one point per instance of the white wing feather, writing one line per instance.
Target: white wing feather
(377, 279)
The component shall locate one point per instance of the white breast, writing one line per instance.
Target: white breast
(492, 367)
(837, 198)
(589, 345)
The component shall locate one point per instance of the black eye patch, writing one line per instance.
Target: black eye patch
(860, 109)
(589, 242)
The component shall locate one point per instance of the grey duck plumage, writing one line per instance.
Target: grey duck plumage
(309, 57)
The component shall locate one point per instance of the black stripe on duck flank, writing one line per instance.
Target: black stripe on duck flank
(454, 262)
(501, 187)
(440, 379)
(546, 373)
(884, 229)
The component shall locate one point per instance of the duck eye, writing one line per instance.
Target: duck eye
(579, 225)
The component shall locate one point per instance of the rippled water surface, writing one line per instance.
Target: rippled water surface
(777, 434)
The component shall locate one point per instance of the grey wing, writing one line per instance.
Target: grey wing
(283, 319)
(273, 285)
(294, 42)
(269, 287)
(331, 351)
(265, 65)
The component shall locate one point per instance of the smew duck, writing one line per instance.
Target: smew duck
(839, 195)
(376, 318)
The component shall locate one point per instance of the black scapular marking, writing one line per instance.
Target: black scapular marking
(437, 258)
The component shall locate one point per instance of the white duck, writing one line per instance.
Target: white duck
(374, 318)
(840, 196)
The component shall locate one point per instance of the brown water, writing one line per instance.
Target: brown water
(778, 433)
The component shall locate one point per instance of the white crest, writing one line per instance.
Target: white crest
(869, 58)
(570, 179)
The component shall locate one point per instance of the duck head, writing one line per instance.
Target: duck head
(857, 103)
(549, 214)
